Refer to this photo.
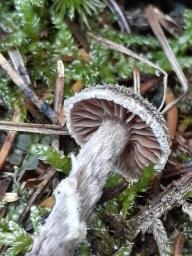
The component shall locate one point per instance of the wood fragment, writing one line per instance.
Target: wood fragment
(136, 80)
(7, 145)
(59, 109)
(59, 88)
(172, 116)
(19, 66)
(58, 99)
(178, 245)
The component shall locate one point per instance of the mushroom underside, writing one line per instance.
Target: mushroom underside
(142, 147)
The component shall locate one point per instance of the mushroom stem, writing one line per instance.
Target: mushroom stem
(95, 160)
(77, 195)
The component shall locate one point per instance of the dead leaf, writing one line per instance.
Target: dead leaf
(48, 202)
(77, 86)
(84, 56)
(10, 197)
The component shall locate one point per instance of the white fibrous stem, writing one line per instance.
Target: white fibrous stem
(77, 195)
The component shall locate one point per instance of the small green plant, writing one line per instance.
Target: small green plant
(84, 8)
(15, 237)
(133, 190)
(53, 157)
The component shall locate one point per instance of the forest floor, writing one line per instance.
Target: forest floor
(52, 50)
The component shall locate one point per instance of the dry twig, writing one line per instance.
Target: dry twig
(19, 66)
(33, 128)
(172, 115)
(8, 141)
(36, 195)
(59, 92)
(155, 20)
(28, 92)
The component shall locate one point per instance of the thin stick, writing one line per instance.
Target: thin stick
(154, 21)
(137, 80)
(19, 65)
(121, 19)
(59, 88)
(122, 49)
(59, 92)
(36, 195)
(33, 128)
(178, 246)
(172, 116)
(8, 142)
(28, 92)
(58, 99)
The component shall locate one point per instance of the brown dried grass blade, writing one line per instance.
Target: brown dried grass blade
(155, 23)
(33, 128)
(120, 48)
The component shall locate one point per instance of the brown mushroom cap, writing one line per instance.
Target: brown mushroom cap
(148, 140)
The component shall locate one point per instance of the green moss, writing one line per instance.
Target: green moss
(130, 194)
(51, 156)
(12, 235)
(12, 98)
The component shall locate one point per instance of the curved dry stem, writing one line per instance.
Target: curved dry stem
(121, 19)
(154, 21)
(120, 48)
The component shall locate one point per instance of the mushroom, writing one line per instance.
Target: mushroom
(125, 114)
(118, 130)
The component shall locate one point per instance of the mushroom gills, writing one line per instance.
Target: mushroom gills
(142, 148)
